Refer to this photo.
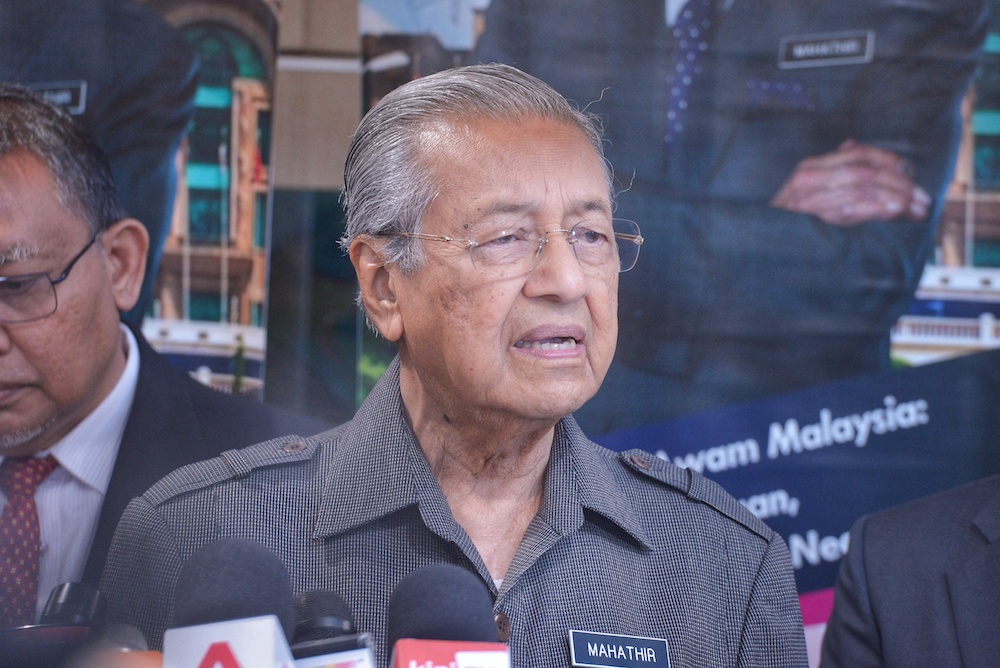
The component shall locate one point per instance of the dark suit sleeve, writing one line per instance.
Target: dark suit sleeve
(852, 637)
(926, 53)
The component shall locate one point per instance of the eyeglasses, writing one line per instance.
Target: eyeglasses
(600, 246)
(27, 297)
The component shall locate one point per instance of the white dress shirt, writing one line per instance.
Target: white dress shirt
(69, 500)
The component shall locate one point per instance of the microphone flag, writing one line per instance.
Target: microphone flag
(255, 642)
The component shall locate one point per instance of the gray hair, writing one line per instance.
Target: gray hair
(78, 166)
(387, 184)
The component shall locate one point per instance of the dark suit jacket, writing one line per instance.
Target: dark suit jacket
(920, 585)
(728, 287)
(174, 421)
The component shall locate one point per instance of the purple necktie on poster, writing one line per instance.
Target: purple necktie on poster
(690, 33)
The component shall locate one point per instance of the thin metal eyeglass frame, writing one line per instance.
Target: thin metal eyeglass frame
(636, 239)
(53, 282)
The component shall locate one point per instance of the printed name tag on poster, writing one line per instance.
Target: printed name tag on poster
(853, 47)
(606, 650)
(70, 95)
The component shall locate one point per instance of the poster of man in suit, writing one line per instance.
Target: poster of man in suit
(814, 308)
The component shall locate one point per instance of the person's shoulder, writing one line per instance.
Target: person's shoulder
(660, 481)
(224, 418)
(266, 420)
(285, 460)
(947, 508)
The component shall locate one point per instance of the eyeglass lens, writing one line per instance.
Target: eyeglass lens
(26, 297)
(599, 245)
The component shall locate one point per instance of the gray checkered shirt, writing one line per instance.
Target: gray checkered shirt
(624, 543)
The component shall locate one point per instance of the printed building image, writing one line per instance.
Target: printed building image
(209, 305)
(957, 305)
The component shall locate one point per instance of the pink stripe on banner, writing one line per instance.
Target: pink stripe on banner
(816, 606)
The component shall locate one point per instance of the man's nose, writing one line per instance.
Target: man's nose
(559, 272)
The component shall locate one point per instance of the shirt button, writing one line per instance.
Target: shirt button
(639, 461)
(294, 446)
(503, 627)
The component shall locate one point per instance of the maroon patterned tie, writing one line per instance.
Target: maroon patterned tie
(20, 543)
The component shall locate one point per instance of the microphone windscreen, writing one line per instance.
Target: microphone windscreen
(441, 602)
(321, 614)
(233, 579)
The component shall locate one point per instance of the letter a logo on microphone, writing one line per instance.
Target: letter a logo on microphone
(219, 655)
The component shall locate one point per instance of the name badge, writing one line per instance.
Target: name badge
(605, 650)
(837, 48)
(71, 95)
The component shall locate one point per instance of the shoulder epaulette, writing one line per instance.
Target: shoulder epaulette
(695, 486)
(232, 465)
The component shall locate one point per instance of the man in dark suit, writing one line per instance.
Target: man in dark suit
(129, 77)
(83, 398)
(920, 585)
(791, 157)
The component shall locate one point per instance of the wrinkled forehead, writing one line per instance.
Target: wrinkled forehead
(489, 138)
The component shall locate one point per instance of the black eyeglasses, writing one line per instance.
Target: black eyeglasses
(27, 297)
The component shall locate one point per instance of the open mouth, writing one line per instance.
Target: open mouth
(562, 343)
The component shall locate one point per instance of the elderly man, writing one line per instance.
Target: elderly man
(90, 415)
(480, 226)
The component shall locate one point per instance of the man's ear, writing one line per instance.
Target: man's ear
(378, 288)
(125, 245)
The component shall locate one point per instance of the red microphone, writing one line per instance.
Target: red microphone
(442, 616)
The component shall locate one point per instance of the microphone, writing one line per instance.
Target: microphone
(233, 606)
(71, 613)
(442, 615)
(321, 614)
(325, 634)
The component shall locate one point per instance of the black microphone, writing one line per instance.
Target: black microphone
(233, 605)
(441, 602)
(321, 614)
(325, 633)
(438, 611)
(233, 579)
(71, 614)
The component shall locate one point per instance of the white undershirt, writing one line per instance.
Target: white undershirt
(69, 500)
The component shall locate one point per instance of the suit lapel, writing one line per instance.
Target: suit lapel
(974, 590)
(162, 434)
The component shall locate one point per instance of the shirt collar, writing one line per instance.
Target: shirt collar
(379, 449)
(89, 450)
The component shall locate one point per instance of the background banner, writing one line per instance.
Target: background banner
(820, 353)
